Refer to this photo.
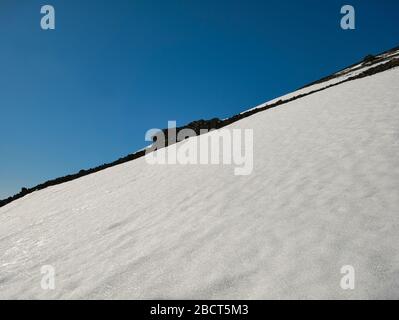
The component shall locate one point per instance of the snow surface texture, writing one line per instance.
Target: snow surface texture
(324, 193)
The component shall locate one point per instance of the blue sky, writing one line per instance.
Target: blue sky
(87, 92)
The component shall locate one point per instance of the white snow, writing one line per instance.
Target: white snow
(324, 193)
(341, 76)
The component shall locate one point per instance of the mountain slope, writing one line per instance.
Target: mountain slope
(324, 193)
(369, 66)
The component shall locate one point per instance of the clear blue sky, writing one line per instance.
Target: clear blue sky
(87, 92)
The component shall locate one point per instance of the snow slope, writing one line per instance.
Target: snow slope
(324, 193)
(339, 77)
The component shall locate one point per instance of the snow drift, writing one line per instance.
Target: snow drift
(324, 193)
